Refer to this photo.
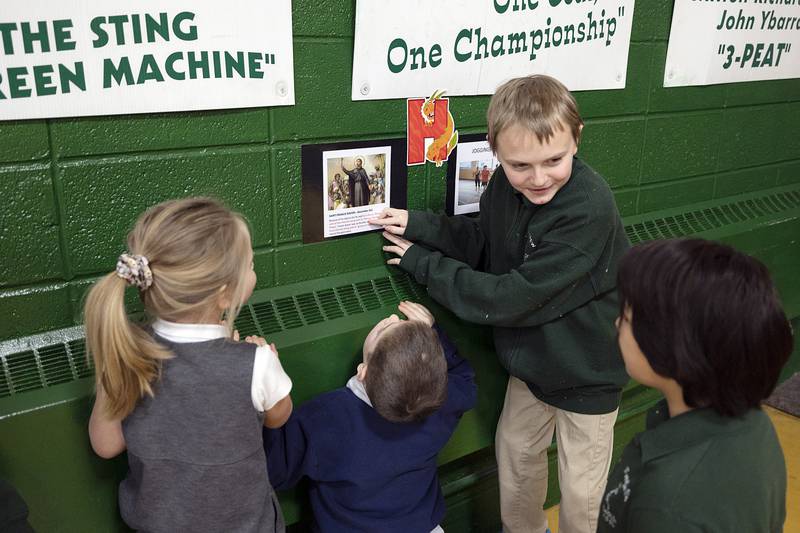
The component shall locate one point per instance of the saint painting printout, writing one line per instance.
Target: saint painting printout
(356, 188)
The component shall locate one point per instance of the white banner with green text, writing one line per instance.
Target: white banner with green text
(408, 48)
(724, 41)
(94, 57)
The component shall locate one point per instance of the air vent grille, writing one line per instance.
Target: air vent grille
(291, 312)
(43, 366)
(693, 222)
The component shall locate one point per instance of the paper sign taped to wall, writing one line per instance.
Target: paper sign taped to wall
(728, 42)
(411, 48)
(62, 59)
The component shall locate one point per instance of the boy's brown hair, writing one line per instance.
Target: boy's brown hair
(728, 334)
(407, 377)
(539, 103)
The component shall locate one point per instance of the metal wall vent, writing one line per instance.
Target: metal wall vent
(36, 362)
(693, 222)
(272, 316)
(43, 366)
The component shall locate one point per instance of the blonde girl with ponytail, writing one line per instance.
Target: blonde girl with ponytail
(178, 391)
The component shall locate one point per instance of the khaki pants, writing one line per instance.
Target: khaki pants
(524, 433)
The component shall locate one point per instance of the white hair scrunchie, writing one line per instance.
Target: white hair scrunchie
(135, 269)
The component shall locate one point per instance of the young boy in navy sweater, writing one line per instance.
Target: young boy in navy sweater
(369, 449)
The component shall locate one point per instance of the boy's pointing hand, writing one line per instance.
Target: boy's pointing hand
(393, 220)
(399, 248)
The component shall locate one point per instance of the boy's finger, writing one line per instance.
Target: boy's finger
(393, 262)
(417, 311)
(397, 230)
(394, 250)
(406, 305)
(397, 240)
(415, 315)
(421, 308)
(389, 247)
(387, 213)
(410, 309)
(389, 237)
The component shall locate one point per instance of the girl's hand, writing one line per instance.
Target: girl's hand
(393, 220)
(415, 311)
(399, 248)
(255, 339)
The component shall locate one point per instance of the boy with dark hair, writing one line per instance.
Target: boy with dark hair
(701, 323)
(369, 449)
(540, 266)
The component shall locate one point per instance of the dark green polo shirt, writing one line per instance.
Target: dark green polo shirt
(698, 472)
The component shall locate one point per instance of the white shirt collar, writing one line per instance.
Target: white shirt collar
(180, 333)
(357, 386)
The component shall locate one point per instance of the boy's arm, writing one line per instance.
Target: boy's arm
(551, 282)
(458, 237)
(461, 376)
(289, 452)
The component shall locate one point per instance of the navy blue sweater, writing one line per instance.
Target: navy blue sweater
(366, 473)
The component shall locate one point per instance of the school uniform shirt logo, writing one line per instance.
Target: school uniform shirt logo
(622, 490)
(530, 247)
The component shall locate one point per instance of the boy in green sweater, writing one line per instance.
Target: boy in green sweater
(540, 266)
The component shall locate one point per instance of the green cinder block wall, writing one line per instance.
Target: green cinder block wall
(71, 188)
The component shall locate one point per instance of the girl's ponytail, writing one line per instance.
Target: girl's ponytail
(185, 255)
(126, 357)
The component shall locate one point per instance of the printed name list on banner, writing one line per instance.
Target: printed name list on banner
(60, 59)
(407, 48)
(723, 41)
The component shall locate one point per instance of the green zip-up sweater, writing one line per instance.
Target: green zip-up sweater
(543, 275)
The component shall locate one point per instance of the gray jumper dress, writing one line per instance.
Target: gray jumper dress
(195, 450)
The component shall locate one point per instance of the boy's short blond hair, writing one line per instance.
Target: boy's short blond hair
(539, 103)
